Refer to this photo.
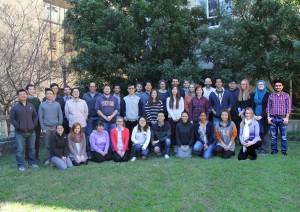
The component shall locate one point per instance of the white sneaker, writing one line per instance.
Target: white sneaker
(21, 168)
(34, 166)
(133, 159)
(167, 157)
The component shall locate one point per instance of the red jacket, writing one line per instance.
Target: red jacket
(114, 139)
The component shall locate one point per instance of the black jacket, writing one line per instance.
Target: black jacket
(209, 133)
(23, 117)
(184, 134)
(59, 145)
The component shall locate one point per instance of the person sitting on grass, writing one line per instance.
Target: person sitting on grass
(184, 136)
(249, 136)
(161, 136)
(99, 142)
(204, 136)
(120, 141)
(140, 139)
(77, 145)
(225, 133)
(59, 149)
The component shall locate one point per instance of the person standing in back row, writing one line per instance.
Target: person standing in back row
(36, 103)
(107, 108)
(279, 109)
(24, 118)
(50, 115)
(90, 98)
(219, 100)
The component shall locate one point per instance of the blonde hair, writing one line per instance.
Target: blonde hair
(245, 94)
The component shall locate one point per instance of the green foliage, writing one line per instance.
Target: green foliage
(258, 41)
(133, 39)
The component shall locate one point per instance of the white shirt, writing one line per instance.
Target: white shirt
(246, 130)
(76, 111)
(174, 113)
(207, 92)
(141, 137)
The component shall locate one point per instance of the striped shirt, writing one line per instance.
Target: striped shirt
(151, 110)
(279, 104)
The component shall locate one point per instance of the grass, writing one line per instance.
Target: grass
(272, 183)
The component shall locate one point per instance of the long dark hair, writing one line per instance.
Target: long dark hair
(171, 103)
(151, 100)
(139, 126)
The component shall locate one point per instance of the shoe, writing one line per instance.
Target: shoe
(47, 162)
(274, 152)
(133, 159)
(34, 166)
(144, 157)
(21, 169)
(284, 153)
(167, 157)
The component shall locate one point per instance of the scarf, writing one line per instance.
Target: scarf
(258, 97)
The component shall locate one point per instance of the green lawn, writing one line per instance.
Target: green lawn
(272, 183)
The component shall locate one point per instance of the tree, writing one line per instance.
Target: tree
(136, 39)
(258, 41)
(23, 54)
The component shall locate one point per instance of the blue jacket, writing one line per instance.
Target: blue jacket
(91, 102)
(234, 101)
(209, 133)
(214, 102)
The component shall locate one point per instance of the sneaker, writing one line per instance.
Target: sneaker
(133, 159)
(167, 157)
(34, 166)
(284, 153)
(21, 168)
(274, 152)
(144, 157)
(47, 162)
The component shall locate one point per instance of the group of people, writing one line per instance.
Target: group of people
(193, 119)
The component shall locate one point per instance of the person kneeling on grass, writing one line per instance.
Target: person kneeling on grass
(184, 136)
(225, 132)
(99, 142)
(249, 136)
(119, 140)
(140, 139)
(59, 149)
(160, 136)
(204, 135)
(77, 145)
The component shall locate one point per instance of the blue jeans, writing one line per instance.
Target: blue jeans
(216, 120)
(137, 150)
(164, 144)
(91, 125)
(208, 153)
(277, 124)
(29, 139)
(109, 126)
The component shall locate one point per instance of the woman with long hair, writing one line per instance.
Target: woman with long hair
(140, 139)
(153, 107)
(249, 136)
(175, 106)
(77, 145)
(244, 98)
(189, 96)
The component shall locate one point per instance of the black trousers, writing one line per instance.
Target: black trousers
(117, 158)
(251, 151)
(36, 145)
(173, 131)
(97, 157)
(130, 125)
(223, 153)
